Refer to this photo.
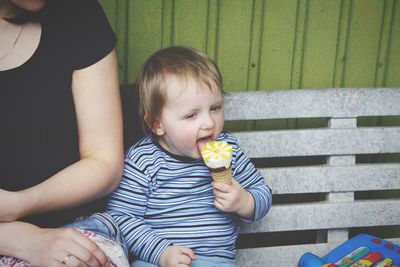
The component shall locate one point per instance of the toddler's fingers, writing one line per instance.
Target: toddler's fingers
(185, 259)
(188, 252)
(218, 205)
(219, 194)
(221, 187)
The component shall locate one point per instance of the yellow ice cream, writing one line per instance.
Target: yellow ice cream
(218, 157)
(217, 154)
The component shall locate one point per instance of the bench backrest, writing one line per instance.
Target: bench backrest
(335, 184)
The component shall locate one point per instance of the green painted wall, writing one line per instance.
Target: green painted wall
(268, 44)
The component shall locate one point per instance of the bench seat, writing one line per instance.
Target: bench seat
(341, 186)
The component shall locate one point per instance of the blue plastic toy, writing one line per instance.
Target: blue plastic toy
(361, 251)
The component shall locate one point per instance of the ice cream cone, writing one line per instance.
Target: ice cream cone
(218, 156)
(224, 176)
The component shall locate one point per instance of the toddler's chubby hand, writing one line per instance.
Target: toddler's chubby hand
(176, 256)
(233, 198)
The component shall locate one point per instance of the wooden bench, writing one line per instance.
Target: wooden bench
(316, 174)
(325, 196)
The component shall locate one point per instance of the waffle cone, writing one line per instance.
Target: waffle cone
(224, 176)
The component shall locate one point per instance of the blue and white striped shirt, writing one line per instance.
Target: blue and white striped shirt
(165, 199)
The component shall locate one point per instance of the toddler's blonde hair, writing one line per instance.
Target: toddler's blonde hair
(179, 61)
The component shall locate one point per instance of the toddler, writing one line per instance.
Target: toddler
(168, 209)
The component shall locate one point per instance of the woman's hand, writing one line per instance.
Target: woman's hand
(51, 247)
(68, 246)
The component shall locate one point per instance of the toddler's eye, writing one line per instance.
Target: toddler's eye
(216, 108)
(190, 116)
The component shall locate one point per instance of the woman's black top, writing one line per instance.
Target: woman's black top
(38, 126)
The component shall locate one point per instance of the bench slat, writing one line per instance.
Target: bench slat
(287, 256)
(340, 176)
(312, 216)
(273, 256)
(315, 179)
(313, 103)
(318, 142)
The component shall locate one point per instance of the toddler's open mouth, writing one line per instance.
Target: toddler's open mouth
(204, 140)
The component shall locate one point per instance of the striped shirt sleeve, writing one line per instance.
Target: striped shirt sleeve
(128, 205)
(251, 180)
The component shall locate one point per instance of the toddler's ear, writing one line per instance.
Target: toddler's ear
(155, 125)
(158, 129)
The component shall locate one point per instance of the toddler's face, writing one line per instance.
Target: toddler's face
(192, 116)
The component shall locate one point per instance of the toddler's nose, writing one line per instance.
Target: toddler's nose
(207, 122)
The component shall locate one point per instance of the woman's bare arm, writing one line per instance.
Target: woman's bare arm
(97, 173)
